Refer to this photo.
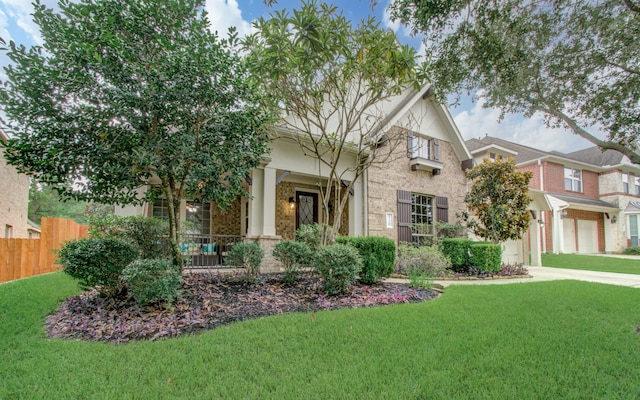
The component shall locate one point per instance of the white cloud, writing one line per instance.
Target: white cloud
(224, 14)
(532, 132)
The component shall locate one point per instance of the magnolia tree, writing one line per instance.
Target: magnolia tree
(498, 198)
(130, 94)
(328, 80)
(575, 61)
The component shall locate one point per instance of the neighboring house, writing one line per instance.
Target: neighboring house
(422, 183)
(591, 195)
(14, 199)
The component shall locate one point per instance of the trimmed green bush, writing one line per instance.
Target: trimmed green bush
(457, 249)
(311, 235)
(378, 256)
(247, 255)
(633, 250)
(486, 257)
(153, 281)
(338, 265)
(294, 256)
(147, 234)
(429, 260)
(98, 263)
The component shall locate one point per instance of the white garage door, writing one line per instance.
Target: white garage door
(587, 237)
(569, 235)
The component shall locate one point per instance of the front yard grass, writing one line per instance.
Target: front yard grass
(592, 263)
(563, 339)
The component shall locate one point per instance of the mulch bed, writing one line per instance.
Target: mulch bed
(211, 300)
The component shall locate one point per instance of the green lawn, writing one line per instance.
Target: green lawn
(592, 263)
(552, 340)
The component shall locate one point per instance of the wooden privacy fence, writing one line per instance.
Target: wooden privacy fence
(21, 258)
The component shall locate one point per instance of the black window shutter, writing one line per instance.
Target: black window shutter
(404, 216)
(442, 209)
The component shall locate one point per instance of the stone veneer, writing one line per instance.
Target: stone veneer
(386, 179)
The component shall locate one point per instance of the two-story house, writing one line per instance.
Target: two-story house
(585, 191)
(423, 182)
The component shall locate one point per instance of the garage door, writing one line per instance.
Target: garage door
(587, 237)
(569, 235)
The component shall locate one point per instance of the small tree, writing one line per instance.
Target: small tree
(329, 80)
(498, 197)
(129, 95)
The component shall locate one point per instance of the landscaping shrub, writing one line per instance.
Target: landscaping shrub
(427, 259)
(153, 281)
(338, 265)
(98, 263)
(486, 257)
(147, 234)
(247, 255)
(378, 255)
(311, 235)
(457, 249)
(294, 256)
(633, 250)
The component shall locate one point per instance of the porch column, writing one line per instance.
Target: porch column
(534, 237)
(356, 210)
(269, 202)
(256, 207)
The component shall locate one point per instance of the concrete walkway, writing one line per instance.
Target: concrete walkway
(542, 274)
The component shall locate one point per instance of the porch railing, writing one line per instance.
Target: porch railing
(204, 251)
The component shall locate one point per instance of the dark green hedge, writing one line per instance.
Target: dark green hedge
(486, 257)
(378, 255)
(457, 249)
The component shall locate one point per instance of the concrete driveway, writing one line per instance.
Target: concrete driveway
(541, 274)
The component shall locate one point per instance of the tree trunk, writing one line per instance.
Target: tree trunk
(174, 221)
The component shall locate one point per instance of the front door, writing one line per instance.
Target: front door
(307, 208)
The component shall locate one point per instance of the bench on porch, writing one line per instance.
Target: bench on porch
(205, 251)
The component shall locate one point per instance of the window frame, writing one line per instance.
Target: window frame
(426, 148)
(423, 208)
(572, 178)
(625, 183)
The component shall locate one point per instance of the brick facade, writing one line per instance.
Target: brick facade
(385, 180)
(554, 181)
(286, 216)
(14, 200)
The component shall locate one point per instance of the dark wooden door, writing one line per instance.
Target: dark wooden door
(306, 208)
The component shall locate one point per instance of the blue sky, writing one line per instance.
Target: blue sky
(472, 119)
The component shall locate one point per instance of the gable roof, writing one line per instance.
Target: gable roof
(592, 157)
(524, 153)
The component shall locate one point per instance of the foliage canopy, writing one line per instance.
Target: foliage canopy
(498, 197)
(127, 94)
(575, 61)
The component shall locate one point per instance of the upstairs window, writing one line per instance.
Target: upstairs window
(572, 179)
(637, 184)
(422, 147)
(625, 183)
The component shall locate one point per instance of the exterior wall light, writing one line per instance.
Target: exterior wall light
(292, 203)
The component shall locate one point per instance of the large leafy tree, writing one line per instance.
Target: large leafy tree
(498, 198)
(575, 61)
(329, 80)
(131, 94)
